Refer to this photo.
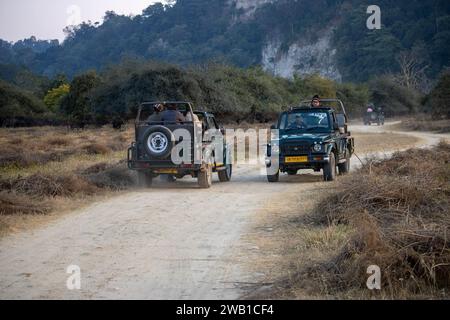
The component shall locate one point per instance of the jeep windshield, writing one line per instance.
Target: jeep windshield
(306, 122)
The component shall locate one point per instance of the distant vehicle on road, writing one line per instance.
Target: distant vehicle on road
(374, 115)
(311, 138)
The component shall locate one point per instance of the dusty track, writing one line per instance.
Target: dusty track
(169, 242)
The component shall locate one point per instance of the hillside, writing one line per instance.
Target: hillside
(285, 37)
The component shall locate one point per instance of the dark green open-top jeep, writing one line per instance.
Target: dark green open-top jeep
(175, 141)
(307, 137)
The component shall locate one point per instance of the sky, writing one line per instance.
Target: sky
(46, 19)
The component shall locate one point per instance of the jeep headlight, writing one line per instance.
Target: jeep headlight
(317, 147)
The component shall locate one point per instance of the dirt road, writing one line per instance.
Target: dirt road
(169, 242)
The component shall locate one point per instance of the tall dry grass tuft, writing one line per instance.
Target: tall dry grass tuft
(45, 185)
(58, 141)
(13, 203)
(96, 148)
(401, 210)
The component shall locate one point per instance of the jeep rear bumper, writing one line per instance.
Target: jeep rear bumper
(159, 166)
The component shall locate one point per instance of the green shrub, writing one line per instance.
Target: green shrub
(438, 101)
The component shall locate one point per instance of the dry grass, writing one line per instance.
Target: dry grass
(41, 167)
(425, 123)
(27, 147)
(42, 185)
(382, 142)
(392, 213)
(96, 148)
(12, 203)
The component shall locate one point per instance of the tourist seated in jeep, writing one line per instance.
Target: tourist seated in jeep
(156, 115)
(172, 115)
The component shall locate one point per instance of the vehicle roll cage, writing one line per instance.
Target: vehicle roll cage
(141, 105)
(306, 104)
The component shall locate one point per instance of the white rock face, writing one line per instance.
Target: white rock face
(250, 6)
(301, 59)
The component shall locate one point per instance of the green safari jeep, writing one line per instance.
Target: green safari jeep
(308, 137)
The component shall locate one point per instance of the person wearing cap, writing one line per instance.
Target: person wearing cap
(315, 103)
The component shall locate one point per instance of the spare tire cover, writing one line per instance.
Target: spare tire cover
(158, 142)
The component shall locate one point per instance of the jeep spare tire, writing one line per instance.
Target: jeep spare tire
(158, 142)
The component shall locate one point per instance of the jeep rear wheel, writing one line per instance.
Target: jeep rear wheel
(344, 168)
(145, 179)
(329, 170)
(169, 178)
(205, 177)
(225, 175)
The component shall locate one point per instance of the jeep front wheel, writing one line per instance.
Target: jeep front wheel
(273, 177)
(205, 177)
(329, 170)
(225, 175)
(344, 168)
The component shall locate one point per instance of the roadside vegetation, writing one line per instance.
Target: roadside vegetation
(435, 115)
(42, 167)
(424, 123)
(112, 95)
(393, 213)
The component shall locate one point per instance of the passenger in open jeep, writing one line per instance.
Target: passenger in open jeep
(315, 103)
(172, 115)
(156, 116)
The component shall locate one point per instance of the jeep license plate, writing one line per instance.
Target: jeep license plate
(301, 159)
(167, 171)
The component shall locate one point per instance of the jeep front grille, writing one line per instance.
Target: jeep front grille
(296, 149)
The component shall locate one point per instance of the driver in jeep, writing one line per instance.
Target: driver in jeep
(299, 123)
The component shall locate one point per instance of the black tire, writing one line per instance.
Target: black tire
(344, 168)
(161, 144)
(205, 178)
(169, 178)
(273, 177)
(145, 179)
(292, 172)
(329, 170)
(225, 175)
